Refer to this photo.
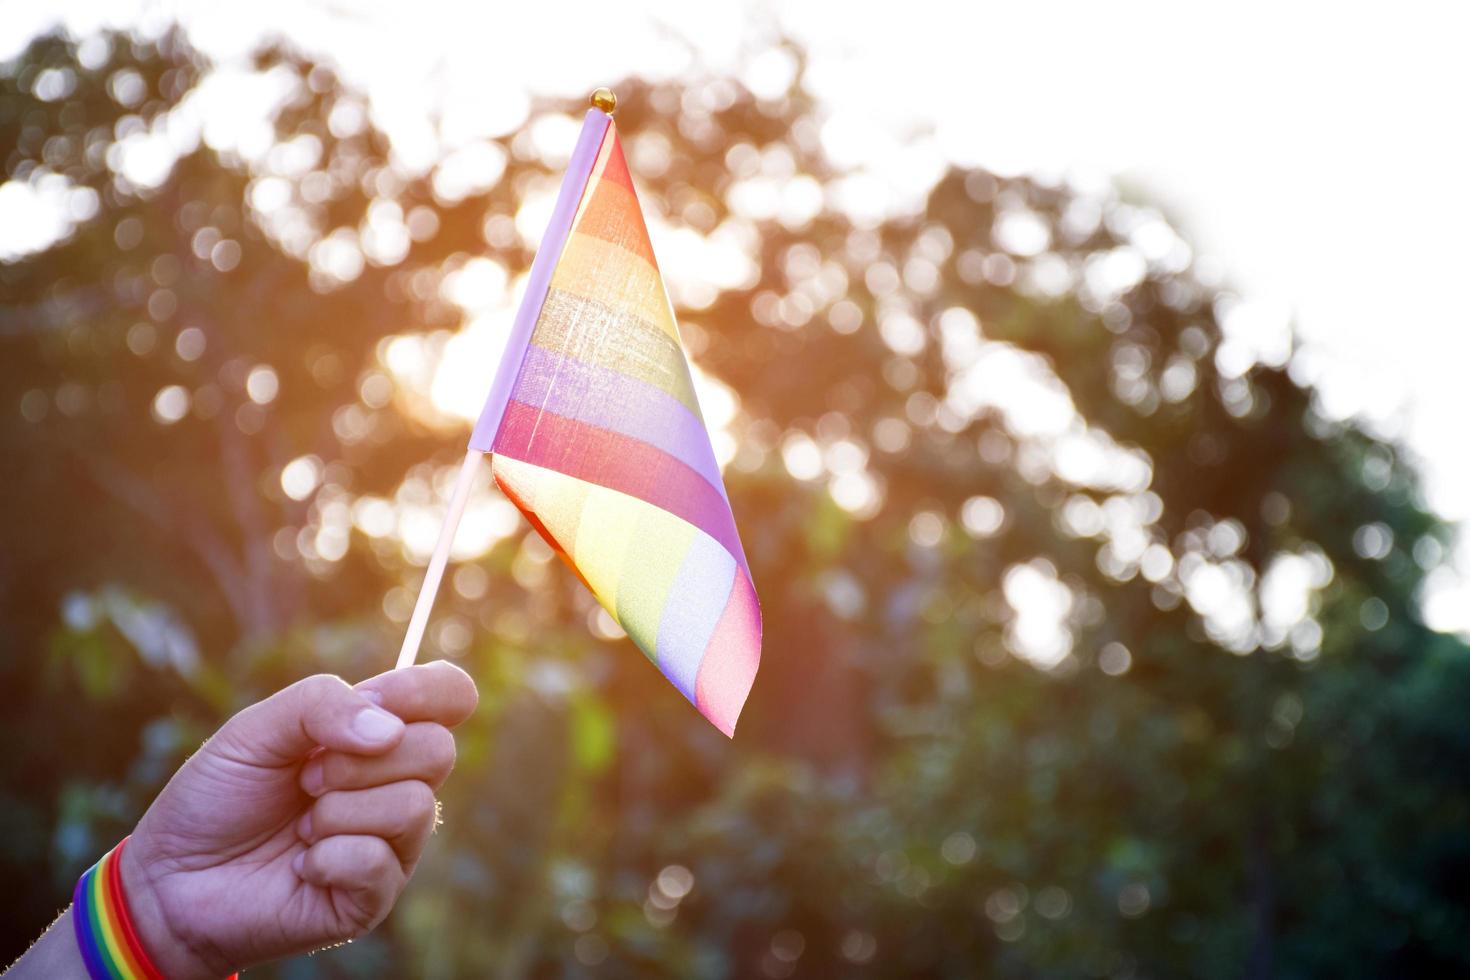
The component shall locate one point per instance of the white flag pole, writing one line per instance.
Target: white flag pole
(457, 500)
(584, 156)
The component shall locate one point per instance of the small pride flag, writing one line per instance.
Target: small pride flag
(597, 437)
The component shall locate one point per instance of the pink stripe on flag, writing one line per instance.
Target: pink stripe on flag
(728, 669)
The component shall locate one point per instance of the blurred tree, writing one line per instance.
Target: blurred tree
(1092, 649)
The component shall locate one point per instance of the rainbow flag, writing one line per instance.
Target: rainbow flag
(598, 439)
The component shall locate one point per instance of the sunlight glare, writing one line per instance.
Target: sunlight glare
(1042, 603)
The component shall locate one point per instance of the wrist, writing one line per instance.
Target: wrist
(174, 952)
(54, 956)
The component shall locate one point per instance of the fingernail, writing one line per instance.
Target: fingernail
(375, 696)
(313, 778)
(303, 827)
(298, 862)
(376, 725)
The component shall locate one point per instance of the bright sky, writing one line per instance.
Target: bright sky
(1315, 153)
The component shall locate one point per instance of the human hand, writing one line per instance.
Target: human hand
(297, 825)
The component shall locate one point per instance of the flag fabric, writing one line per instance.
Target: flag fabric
(598, 439)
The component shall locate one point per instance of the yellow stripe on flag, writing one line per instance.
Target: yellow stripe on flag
(589, 265)
(609, 521)
(652, 564)
(556, 498)
(627, 550)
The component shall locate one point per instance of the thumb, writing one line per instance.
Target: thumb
(320, 710)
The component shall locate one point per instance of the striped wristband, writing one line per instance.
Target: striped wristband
(105, 933)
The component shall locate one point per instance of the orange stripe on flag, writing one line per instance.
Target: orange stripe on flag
(611, 210)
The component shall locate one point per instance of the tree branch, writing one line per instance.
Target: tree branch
(213, 551)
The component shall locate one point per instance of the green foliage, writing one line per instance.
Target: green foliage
(1184, 788)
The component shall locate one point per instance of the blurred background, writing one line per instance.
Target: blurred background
(1088, 383)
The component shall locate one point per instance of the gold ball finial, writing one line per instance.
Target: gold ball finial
(605, 100)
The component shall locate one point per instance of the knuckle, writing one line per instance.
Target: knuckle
(420, 804)
(441, 751)
(467, 685)
(380, 862)
(471, 696)
(319, 687)
(362, 920)
(459, 686)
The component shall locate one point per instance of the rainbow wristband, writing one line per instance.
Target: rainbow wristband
(105, 933)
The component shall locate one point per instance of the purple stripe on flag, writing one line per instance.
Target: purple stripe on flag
(579, 169)
(621, 403)
(698, 596)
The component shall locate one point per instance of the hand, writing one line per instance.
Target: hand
(297, 825)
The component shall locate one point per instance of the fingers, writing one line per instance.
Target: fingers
(367, 720)
(363, 867)
(320, 710)
(402, 813)
(437, 691)
(426, 753)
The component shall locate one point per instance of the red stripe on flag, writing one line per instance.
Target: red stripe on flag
(613, 213)
(616, 167)
(618, 462)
